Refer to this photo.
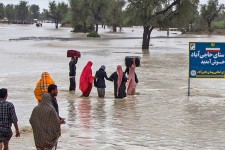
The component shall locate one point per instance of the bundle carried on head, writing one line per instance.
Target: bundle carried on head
(73, 53)
(129, 61)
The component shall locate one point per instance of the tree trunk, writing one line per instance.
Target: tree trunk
(191, 26)
(56, 24)
(209, 25)
(96, 28)
(168, 32)
(85, 27)
(146, 37)
(114, 28)
(22, 21)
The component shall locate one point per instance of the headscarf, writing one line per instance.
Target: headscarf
(120, 77)
(132, 69)
(42, 85)
(45, 123)
(86, 77)
(102, 67)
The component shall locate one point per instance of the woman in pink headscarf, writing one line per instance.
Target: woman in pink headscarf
(132, 79)
(119, 80)
(86, 80)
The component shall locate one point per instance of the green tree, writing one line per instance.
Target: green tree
(193, 16)
(2, 11)
(35, 11)
(149, 13)
(210, 11)
(88, 12)
(80, 13)
(98, 8)
(10, 12)
(57, 12)
(115, 15)
(185, 15)
(22, 12)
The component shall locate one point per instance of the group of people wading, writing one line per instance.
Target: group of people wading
(45, 116)
(45, 119)
(118, 77)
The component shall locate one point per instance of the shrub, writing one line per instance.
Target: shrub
(219, 25)
(211, 30)
(80, 28)
(93, 34)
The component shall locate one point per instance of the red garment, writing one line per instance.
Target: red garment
(88, 91)
(120, 77)
(86, 79)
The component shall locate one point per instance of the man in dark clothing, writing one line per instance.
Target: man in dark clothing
(99, 81)
(53, 91)
(72, 73)
(7, 118)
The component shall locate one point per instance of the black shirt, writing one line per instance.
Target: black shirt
(54, 103)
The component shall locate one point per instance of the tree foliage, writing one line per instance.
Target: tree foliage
(2, 11)
(10, 12)
(57, 12)
(35, 11)
(155, 13)
(210, 11)
(22, 12)
(115, 14)
(88, 12)
(80, 13)
(97, 9)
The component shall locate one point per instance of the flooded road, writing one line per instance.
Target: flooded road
(162, 117)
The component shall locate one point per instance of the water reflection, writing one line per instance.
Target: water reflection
(124, 108)
(145, 52)
(99, 112)
(71, 113)
(84, 113)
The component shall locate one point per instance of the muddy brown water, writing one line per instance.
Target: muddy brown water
(162, 117)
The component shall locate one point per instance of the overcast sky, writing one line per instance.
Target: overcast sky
(44, 3)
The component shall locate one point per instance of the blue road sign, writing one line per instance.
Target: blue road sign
(206, 60)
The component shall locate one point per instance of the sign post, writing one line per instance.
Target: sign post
(189, 84)
(206, 60)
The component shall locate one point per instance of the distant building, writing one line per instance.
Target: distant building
(35, 20)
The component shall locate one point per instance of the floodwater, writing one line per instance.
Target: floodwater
(162, 117)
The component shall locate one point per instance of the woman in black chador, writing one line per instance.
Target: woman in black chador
(119, 78)
(99, 81)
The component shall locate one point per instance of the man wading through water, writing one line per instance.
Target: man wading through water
(72, 73)
(7, 118)
(45, 123)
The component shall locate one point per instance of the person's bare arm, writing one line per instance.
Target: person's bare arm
(17, 129)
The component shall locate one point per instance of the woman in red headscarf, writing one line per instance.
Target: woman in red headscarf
(119, 80)
(86, 80)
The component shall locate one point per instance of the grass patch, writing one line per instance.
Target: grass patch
(219, 25)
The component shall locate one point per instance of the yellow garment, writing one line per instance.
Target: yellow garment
(42, 85)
